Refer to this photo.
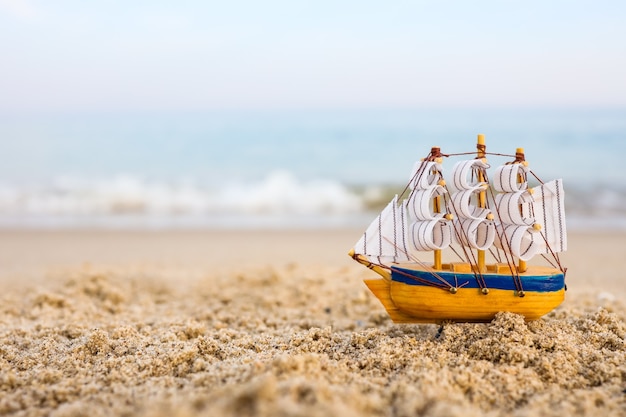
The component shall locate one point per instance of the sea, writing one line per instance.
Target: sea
(244, 169)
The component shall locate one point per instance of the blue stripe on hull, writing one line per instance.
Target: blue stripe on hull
(539, 283)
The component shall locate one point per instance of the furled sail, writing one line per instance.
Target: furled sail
(404, 229)
(424, 174)
(428, 230)
(514, 207)
(473, 225)
(385, 240)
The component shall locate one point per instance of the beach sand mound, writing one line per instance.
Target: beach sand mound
(293, 341)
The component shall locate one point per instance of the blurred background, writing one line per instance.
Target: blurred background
(297, 114)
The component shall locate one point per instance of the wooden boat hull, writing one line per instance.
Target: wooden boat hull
(408, 300)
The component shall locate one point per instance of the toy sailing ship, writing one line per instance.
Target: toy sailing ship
(493, 225)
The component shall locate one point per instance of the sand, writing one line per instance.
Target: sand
(279, 323)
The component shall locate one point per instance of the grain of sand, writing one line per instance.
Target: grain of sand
(279, 324)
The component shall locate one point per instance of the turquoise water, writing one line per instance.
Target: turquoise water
(280, 168)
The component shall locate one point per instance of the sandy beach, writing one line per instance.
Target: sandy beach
(271, 323)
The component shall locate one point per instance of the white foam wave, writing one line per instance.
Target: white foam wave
(279, 193)
(277, 200)
(282, 193)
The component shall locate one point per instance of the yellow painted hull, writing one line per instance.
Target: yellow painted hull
(419, 304)
(429, 304)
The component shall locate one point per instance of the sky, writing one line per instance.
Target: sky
(192, 55)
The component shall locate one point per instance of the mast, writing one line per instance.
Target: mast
(520, 158)
(436, 153)
(481, 149)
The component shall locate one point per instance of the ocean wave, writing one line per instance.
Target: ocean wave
(278, 200)
(131, 199)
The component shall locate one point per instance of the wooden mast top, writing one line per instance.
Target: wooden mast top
(481, 143)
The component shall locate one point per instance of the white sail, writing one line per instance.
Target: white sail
(385, 240)
(428, 230)
(507, 178)
(514, 208)
(421, 201)
(476, 233)
(472, 224)
(425, 174)
(403, 229)
(524, 242)
(519, 209)
(430, 235)
(462, 204)
(464, 173)
(549, 208)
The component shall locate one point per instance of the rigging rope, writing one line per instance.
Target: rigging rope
(517, 280)
(470, 257)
